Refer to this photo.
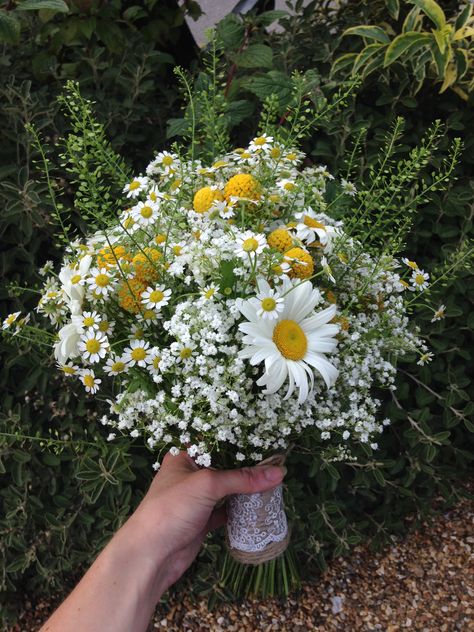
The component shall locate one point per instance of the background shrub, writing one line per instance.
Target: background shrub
(61, 500)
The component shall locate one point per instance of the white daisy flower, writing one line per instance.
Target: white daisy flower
(210, 291)
(165, 162)
(87, 320)
(419, 280)
(100, 282)
(439, 313)
(47, 268)
(115, 365)
(348, 188)
(94, 345)
(90, 381)
(69, 369)
(293, 157)
(411, 264)
(145, 213)
(322, 170)
(155, 195)
(270, 303)
(155, 359)
(294, 344)
(309, 229)
(137, 353)
(183, 351)
(250, 243)
(261, 142)
(156, 298)
(19, 324)
(135, 187)
(10, 319)
(425, 358)
(137, 332)
(286, 185)
(106, 326)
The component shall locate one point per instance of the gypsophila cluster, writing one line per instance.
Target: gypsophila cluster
(226, 309)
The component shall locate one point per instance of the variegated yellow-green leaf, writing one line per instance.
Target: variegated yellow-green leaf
(432, 9)
(441, 59)
(411, 41)
(342, 62)
(365, 55)
(412, 21)
(369, 32)
(449, 77)
(393, 7)
(462, 62)
(463, 17)
(463, 33)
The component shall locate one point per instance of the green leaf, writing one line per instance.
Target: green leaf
(441, 59)
(230, 32)
(463, 17)
(366, 55)
(342, 62)
(268, 17)
(432, 10)
(177, 127)
(410, 41)
(393, 7)
(255, 56)
(412, 20)
(59, 6)
(369, 32)
(274, 82)
(238, 111)
(462, 61)
(9, 28)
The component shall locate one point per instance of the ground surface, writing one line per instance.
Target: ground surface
(424, 582)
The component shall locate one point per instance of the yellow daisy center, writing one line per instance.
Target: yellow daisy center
(149, 314)
(210, 292)
(419, 279)
(275, 152)
(268, 304)
(312, 223)
(160, 238)
(250, 244)
(156, 362)
(93, 345)
(104, 325)
(156, 296)
(134, 185)
(289, 186)
(88, 321)
(118, 367)
(70, 370)
(291, 156)
(185, 353)
(89, 380)
(138, 354)
(261, 140)
(102, 280)
(146, 212)
(290, 340)
(177, 250)
(167, 161)
(75, 279)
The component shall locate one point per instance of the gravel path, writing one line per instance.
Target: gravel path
(424, 582)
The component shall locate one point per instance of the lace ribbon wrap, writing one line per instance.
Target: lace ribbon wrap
(257, 528)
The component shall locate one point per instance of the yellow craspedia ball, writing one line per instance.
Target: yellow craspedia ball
(130, 294)
(301, 263)
(242, 185)
(204, 198)
(280, 239)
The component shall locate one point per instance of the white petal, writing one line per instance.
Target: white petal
(320, 318)
(328, 371)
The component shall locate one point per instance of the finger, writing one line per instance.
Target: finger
(247, 480)
(179, 462)
(218, 518)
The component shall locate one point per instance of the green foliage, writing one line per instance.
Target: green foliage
(445, 53)
(61, 498)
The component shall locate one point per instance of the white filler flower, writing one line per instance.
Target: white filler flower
(293, 343)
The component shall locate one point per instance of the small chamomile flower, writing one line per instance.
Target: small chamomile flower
(10, 319)
(87, 320)
(100, 282)
(145, 213)
(165, 162)
(69, 369)
(156, 298)
(439, 313)
(155, 359)
(309, 229)
(419, 280)
(90, 381)
(286, 185)
(261, 142)
(411, 264)
(137, 353)
(47, 268)
(348, 188)
(425, 358)
(270, 303)
(250, 243)
(137, 332)
(106, 326)
(135, 187)
(93, 345)
(183, 351)
(322, 170)
(210, 291)
(115, 365)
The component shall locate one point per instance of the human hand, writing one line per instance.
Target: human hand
(180, 509)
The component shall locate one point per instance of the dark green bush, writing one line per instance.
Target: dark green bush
(61, 500)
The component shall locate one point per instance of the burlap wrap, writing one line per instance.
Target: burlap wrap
(260, 522)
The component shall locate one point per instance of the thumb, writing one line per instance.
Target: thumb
(247, 480)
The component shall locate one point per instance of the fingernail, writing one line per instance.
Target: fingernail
(274, 474)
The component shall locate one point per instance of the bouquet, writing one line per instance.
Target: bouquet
(234, 304)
